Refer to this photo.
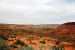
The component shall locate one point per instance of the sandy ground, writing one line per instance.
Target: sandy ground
(36, 41)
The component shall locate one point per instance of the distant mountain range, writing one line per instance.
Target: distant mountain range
(29, 26)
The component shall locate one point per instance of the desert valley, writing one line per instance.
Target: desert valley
(14, 36)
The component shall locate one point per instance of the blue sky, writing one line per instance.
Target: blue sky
(37, 11)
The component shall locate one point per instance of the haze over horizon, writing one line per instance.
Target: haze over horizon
(37, 11)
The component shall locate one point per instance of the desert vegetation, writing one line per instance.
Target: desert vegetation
(13, 36)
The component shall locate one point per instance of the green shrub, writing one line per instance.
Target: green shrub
(18, 42)
(13, 46)
(3, 37)
(3, 45)
(43, 42)
(22, 43)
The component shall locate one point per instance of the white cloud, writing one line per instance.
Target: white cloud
(36, 11)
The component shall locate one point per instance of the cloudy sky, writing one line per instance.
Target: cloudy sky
(37, 11)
